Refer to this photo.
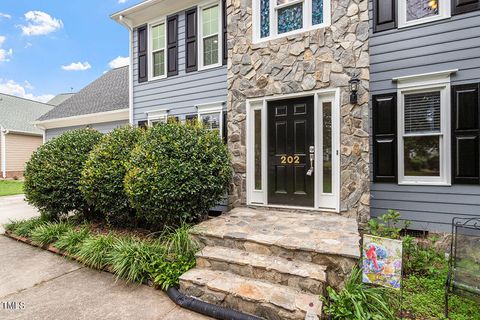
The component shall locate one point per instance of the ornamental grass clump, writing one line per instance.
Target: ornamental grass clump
(72, 240)
(102, 177)
(177, 172)
(94, 250)
(130, 257)
(50, 232)
(24, 228)
(53, 173)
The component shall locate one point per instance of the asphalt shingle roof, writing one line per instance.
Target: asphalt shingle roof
(107, 93)
(60, 98)
(18, 114)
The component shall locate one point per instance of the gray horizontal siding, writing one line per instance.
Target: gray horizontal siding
(181, 93)
(448, 44)
(102, 127)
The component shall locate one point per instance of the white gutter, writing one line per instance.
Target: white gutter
(3, 159)
(128, 24)
(85, 119)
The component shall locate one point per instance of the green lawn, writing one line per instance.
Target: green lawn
(10, 187)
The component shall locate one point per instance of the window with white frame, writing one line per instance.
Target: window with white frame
(412, 12)
(273, 18)
(424, 153)
(210, 26)
(211, 116)
(157, 49)
(156, 117)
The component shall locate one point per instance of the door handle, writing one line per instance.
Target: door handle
(312, 160)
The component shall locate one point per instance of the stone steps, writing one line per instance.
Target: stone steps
(305, 276)
(260, 298)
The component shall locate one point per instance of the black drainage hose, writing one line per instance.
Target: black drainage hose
(205, 308)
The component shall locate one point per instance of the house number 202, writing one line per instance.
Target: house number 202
(289, 159)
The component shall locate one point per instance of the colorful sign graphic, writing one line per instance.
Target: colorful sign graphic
(382, 261)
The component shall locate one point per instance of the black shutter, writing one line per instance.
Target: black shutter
(172, 45)
(224, 127)
(191, 40)
(142, 35)
(224, 27)
(143, 124)
(384, 118)
(465, 134)
(462, 6)
(384, 15)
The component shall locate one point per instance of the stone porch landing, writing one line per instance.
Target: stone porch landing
(271, 264)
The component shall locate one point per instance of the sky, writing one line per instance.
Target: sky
(49, 47)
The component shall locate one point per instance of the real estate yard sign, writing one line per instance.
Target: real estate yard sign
(382, 261)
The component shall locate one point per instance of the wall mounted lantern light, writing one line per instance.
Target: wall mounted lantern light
(354, 81)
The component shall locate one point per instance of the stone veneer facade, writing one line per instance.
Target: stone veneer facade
(318, 59)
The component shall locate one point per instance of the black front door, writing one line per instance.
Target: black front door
(290, 135)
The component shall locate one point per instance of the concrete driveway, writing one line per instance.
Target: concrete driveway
(37, 284)
(15, 208)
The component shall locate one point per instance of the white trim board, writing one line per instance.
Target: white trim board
(100, 117)
(323, 202)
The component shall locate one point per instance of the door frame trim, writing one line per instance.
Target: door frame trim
(260, 197)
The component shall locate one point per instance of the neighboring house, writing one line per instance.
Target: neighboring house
(288, 92)
(19, 138)
(425, 75)
(102, 105)
(60, 98)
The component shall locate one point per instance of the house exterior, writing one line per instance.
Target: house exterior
(102, 105)
(19, 138)
(281, 83)
(424, 81)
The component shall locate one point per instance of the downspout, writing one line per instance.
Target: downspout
(128, 24)
(3, 159)
(44, 132)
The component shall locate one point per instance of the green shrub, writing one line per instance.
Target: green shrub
(387, 225)
(130, 257)
(49, 232)
(53, 172)
(24, 228)
(72, 240)
(104, 172)
(94, 250)
(165, 272)
(358, 301)
(177, 172)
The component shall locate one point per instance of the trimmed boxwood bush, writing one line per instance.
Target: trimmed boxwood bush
(53, 172)
(104, 172)
(176, 173)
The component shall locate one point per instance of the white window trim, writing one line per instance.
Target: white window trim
(443, 13)
(426, 83)
(307, 19)
(150, 51)
(323, 202)
(208, 108)
(157, 116)
(201, 7)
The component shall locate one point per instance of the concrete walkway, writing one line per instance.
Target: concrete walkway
(15, 208)
(37, 284)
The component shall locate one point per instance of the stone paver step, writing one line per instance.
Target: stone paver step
(263, 299)
(309, 233)
(302, 275)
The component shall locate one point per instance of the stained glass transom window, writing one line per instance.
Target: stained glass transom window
(317, 12)
(290, 18)
(264, 18)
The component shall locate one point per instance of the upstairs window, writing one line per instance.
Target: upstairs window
(412, 12)
(210, 26)
(275, 18)
(157, 45)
